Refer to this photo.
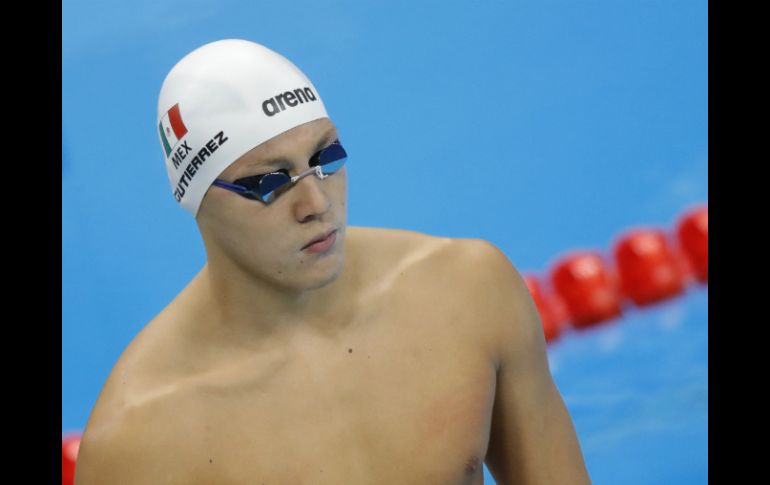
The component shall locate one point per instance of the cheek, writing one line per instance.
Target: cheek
(257, 252)
(342, 182)
(245, 233)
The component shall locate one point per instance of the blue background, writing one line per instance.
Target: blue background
(540, 126)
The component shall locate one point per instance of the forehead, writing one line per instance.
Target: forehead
(293, 143)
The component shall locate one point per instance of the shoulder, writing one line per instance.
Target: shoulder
(388, 254)
(404, 242)
(144, 425)
(484, 286)
(470, 277)
(490, 280)
(496, 302)
(136, 419)
(137, 443)
(467, 261)
(382, 255)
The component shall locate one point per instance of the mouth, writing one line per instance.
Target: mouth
(320, 239)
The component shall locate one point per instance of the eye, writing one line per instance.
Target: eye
(273, 181)
(322, 156)
(251, 182)
(332, 158)
(274, 184)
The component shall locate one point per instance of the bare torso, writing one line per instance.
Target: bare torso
(403, 394)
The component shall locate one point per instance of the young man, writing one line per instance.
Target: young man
(374, 356)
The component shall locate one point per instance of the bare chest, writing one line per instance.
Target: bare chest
(407, 399)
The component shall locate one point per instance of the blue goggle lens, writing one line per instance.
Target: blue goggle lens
(331, 158)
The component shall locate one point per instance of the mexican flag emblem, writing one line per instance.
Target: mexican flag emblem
(172, 129)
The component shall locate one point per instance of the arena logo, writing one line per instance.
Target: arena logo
(275, 105)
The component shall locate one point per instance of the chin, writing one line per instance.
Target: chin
(327, 271)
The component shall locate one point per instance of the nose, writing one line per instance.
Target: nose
(310, 198)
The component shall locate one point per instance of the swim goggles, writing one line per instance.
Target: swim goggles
(268, 186)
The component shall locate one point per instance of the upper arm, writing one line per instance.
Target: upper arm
(532, 438)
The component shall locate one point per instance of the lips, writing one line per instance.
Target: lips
(319, 238)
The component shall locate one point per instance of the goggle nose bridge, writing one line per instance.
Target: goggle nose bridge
(312, 170)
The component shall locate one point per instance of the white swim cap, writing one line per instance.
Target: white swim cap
(219, 102)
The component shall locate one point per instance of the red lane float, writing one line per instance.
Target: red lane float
(588, 287)
(648, 268)
(70, 444)
(692, 231)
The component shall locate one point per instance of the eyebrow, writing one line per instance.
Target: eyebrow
(324, 141)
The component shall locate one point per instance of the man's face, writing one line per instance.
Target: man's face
(266, 240)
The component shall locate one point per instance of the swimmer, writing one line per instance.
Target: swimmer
(305, 351)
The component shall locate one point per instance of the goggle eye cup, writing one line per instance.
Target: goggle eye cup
(270, 186)
(332, 158)
(331, 154)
